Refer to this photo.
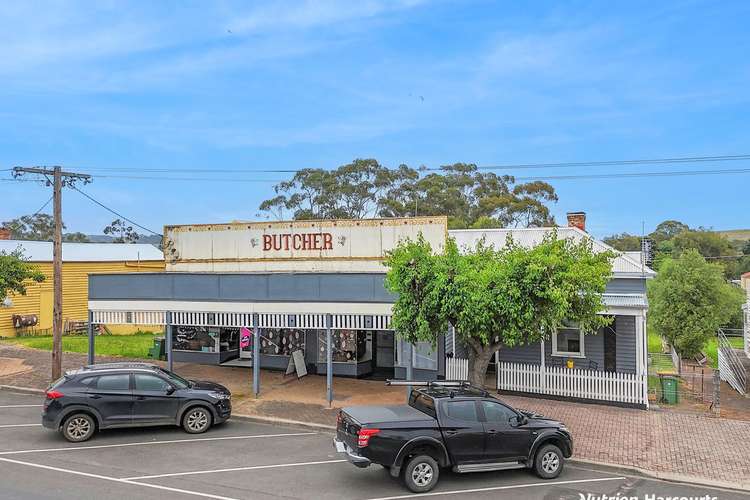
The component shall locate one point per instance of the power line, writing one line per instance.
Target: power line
(115, 212)
(18, 224)
(673, 173)
(646, 161)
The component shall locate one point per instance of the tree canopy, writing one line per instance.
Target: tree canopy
(15, 273)
(37, 227)
(496, 297)
(122, 232)
(672, 238)
(365, 188)
(689, 300)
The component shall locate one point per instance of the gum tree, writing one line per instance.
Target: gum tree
(16, 273)
(496, 298)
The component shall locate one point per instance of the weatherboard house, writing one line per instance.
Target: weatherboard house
(313, 291)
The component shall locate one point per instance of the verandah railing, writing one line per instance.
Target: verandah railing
(572, 382)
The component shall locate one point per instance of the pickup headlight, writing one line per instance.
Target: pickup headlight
(219, 395)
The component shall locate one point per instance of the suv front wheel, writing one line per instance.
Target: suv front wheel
(78, 427)
(196, 420)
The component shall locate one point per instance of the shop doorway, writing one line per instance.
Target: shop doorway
(383, 355)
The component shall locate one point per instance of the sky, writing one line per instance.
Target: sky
(111, 88)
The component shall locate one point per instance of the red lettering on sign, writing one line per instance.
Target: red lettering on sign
(289, 241)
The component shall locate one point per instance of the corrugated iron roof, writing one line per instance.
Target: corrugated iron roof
(41, 251)
(625, 300)
(623, 263)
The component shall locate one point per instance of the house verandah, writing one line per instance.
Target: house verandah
(609, 365)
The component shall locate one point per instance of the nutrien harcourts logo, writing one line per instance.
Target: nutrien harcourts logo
(647, 496)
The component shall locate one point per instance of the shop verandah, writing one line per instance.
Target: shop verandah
(348, 345)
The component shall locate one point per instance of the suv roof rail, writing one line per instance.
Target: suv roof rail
(460, 384)
(119, 366)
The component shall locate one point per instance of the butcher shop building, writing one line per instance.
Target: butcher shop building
(313, 292)
(292, 282)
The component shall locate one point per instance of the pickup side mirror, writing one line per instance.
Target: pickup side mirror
(517, 420)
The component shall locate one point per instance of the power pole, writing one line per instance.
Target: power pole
(59, 179)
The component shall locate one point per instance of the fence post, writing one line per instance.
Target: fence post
(256, 355)
(90, 331)
(168, 339)
(716, 405)
(329, 359)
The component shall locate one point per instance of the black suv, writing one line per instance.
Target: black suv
(451, 425)
(114, 395)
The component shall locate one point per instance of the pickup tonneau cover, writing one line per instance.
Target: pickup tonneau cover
(366, 415)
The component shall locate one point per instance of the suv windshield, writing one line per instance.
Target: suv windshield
(176, 379)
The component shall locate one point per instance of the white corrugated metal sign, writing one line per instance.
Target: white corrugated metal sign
(327, 245)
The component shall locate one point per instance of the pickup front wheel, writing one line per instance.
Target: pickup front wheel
(421, 473)
(548, 463)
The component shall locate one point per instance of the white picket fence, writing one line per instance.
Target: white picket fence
(456, 369)
(573, 383)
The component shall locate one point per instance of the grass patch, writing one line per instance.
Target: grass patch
(127, 346)
(654, 341)
(713, 345)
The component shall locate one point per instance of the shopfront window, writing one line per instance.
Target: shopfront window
(281, 341)
(348, 346)
(424, 355)
(205, 338)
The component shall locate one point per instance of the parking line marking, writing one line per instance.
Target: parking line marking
(116, 480)
(21, 406)
(146, 443)
(497, 488)
(234, 469)
(20, 425)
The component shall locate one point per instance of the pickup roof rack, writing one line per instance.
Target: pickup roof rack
(434, 384)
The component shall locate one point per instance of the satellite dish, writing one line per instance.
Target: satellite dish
(7, 302)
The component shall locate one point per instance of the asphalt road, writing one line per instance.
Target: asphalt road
(246, 460)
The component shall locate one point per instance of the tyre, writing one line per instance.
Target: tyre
(549, 461)
(78, 427)
(196, 420)
(421, 473)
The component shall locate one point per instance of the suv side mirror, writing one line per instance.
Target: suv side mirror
(170, 390)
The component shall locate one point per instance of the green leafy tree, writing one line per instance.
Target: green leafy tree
(15, 273)
(668, 230)
(746, 248)
(496, 298)
(38, 227)
(690, 300)
(365, 188)
(624, 242)
(122, 232)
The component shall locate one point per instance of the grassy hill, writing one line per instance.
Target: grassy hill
(736, 234)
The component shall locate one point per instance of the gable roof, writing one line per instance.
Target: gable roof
(624, 265)
(41, 251)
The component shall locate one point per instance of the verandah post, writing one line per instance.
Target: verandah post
(408, 347)
(329, 360)
(256, 356)
(168, 339)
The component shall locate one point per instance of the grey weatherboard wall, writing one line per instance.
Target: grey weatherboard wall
(237, 287)
(593, 348)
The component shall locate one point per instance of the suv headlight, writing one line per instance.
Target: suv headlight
(219, 395)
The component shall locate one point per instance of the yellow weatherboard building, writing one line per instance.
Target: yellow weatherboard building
(79, 260)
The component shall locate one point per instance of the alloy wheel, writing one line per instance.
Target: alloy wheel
(422, 474)
(79, 427)
(550, 462)
(197, 420)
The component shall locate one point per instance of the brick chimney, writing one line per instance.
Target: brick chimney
(577, 219)
(4, 233)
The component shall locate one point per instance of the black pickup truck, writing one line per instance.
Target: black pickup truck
(450, 425)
